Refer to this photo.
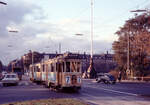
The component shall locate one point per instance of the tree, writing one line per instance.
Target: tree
(138, 31)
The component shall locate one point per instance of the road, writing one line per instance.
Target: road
(125, 93)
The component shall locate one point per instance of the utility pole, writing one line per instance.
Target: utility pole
(59, 48)
(128, 53)
(91, 70)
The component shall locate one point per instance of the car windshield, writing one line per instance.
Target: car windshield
(110, 76)
(10, 76)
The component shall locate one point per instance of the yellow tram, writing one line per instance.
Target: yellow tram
(59, 73)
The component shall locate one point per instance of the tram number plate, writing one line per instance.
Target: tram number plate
(68, 79)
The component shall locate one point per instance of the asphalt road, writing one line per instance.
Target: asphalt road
(125, 93)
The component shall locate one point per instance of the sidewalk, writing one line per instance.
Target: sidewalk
(134, 81)
(122, 81)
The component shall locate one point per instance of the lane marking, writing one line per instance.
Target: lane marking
(120, 92)
(115, 91)
(85, 94)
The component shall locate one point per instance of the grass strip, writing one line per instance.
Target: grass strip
(62, 101)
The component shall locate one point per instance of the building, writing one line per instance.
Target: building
(102, 62)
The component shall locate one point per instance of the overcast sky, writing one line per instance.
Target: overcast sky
(43, 24)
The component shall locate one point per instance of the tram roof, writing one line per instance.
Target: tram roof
(69, 56)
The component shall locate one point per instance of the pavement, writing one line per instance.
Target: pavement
(124, 93)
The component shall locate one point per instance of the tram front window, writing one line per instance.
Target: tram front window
(38, 69)
(78, 66)
(67, 66)
(73, 66)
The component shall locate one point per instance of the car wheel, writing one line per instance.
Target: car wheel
(4, 84)
(106, 82)
(98, 81)
(114, 82)
(16, 84)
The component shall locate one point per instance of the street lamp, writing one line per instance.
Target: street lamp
(13, 31)
(3, 3)
(78, 34)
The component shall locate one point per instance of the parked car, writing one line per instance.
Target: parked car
(2, 75)
(106, 78)
(10, 78)
(4, 72)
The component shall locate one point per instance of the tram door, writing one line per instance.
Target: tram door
(59, 73)
(47, 70)
(32, 77)
(41, 72)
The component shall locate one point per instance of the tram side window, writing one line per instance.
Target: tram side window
(56, 65)
(59, 67)
(67, 66)
(38, 69)
(63, 67)
(49, 68)
(52, 68)
(35, 68)
(78, 66)
(43, 68)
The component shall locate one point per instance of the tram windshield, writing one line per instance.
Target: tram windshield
(72, 66)
(67, 66)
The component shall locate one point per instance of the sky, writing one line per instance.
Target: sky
(43, 25)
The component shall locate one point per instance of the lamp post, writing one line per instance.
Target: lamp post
(91, 73)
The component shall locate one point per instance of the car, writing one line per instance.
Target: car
(106, 78)
(2, 75)
(4, 72)
(10, 78)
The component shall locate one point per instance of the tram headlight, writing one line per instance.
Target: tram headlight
(68, 79)
(79, 79)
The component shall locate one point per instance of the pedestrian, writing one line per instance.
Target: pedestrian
(119, 76)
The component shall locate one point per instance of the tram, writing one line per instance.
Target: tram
(35, 73)
(61, 72)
